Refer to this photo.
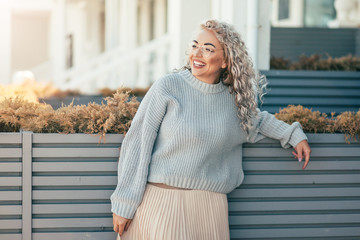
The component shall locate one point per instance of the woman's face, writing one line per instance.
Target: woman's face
(206, 57)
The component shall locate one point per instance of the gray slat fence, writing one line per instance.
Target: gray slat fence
(323, 91)
(293, 42)
(57, 186)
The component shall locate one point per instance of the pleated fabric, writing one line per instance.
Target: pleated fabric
(174, 214)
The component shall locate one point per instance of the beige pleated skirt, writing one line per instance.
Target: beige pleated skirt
(175, 214)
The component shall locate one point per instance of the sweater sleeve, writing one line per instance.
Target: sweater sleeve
(266, 125)
(136, 152)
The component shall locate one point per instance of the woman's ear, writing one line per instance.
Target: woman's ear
(224, 65)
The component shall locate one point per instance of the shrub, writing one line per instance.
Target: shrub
(113, 117)
(133, 91)
(318, 62)
(316, 122)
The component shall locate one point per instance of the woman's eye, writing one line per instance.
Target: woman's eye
(208, 50)
(194, 46)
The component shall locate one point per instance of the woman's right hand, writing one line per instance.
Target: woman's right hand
(120, 224)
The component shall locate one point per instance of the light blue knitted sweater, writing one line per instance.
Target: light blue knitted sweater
(186, 133)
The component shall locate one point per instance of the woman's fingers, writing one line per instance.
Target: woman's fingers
(303, 151)
(119, 223)
(307, 157)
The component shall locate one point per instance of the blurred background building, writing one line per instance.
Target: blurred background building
(92, 44)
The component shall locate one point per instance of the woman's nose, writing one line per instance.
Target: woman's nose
(198, 52)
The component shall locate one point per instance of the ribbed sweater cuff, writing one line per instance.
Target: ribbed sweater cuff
(297, 136)
(123, 209)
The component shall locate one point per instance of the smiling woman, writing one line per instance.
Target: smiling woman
(206, 57)
(183, 151)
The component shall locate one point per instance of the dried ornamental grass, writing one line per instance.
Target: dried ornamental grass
(113, 117)
(347, 123)
(312, 122)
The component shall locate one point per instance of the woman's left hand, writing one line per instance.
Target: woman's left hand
(302, 150)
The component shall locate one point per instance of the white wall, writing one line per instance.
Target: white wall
(29, 39)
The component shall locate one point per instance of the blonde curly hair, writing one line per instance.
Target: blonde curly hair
(243, 80)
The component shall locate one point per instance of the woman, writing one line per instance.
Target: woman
(182, 153)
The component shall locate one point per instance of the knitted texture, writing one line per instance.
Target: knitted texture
(186, 133)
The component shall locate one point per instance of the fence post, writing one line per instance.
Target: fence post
(26, 185)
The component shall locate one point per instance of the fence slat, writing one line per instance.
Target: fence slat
(75, 236)
(10, 181)
(75, 152)
(10, 167)
(10, 209)
(10, 152)
(292, 165)
(280, 219)
(71, 194)
(10, 195)
(75, 181)
(317, 192)
(81, 208)
(310, 232)
(316, 152)
(294, 206)
(10, 224)
(27, 186)
(302, 179)
(74, 166)
(72, 222)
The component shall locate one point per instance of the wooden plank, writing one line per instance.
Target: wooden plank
(302, 179)
(10, 152)
(10, 196)
(71, 208)
(10, 167)
(78, 138)
(75, 236)
(74, 166)
(310, 232)
(75, 181)
(71, 194)
(10, 138)
(11, 236)
(7, 224)
(274, 206)
(27, 185)
(298, 219)
(75, 152)
(10, 209)
(72, 222)
(263, 193)
(10, 181)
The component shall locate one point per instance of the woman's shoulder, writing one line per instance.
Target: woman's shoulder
(169, 81)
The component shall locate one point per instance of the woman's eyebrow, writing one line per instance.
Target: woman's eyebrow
(205, 43)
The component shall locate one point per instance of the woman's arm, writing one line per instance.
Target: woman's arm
(136, 151)
(266, 125)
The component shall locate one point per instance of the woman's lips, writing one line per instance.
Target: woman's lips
(198, 64)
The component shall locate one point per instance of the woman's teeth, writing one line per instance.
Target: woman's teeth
(198, 64)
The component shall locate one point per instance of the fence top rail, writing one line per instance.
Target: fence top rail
(314, 74)
(10, 138)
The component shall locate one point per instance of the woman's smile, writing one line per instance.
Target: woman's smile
(206, 57)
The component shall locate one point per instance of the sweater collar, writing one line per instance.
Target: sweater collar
(200, 85)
